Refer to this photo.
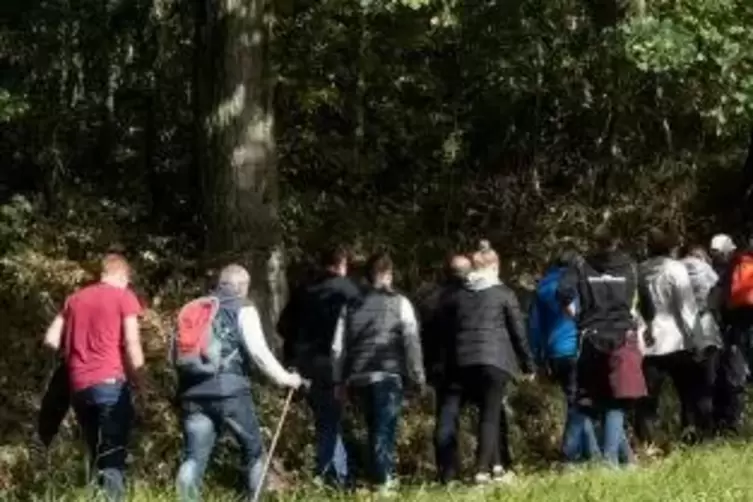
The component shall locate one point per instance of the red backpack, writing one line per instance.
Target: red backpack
(197, 343)
(741, 282)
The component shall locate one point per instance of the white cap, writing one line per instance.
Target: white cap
(722, 243)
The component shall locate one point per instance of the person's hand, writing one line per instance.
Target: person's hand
(296, 381)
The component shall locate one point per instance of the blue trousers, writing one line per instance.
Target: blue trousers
(105, 414)
(381, 403)
(203, 420)
(331, 455)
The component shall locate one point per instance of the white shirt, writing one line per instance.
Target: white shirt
(258, 350)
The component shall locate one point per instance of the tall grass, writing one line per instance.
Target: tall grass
(722, 472)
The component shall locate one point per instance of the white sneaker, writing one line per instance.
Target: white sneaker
(500, 475)
(482, 478)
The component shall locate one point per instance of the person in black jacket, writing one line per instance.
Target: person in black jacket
(485, 344)
(456, 270)
(609, 367)
(307, 325)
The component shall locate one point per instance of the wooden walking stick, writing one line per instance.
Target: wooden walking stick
(268, 460)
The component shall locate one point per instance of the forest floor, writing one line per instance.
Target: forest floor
(718, 473)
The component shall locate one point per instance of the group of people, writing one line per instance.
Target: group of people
(610, 331)
(628, 327)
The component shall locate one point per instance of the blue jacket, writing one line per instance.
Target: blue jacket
(553, 334)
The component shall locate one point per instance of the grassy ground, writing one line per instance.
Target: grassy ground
(719, 473)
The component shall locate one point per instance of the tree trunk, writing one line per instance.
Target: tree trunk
(235, 147)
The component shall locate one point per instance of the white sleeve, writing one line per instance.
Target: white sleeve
(408, 317)
(412, 342)
(257, 347)
(338, 348)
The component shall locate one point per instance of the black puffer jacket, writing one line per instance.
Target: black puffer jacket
(483, 325)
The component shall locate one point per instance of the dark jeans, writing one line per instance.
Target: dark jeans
(203, 420)
(704, 376)
(55, 405)
(484, 386)
(579, 437)
(678, 367)
(105, 413)
(331, 455)
(381, 404)
(729, 390)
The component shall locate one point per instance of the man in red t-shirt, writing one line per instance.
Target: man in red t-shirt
(98, 335)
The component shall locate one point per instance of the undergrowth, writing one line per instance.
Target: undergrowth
(720, 473)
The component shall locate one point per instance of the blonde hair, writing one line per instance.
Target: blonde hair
(485, 256)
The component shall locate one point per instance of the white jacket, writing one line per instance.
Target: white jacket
(676, 322)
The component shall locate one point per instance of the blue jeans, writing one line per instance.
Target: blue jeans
(203, 421)
(331, 455)
(616, 446)
(105, 414)
(381, 403)
(579, 438)
(579, 442)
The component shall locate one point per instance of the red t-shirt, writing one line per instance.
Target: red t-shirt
(93, 333)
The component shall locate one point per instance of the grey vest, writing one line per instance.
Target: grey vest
(373, 336)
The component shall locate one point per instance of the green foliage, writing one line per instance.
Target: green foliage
(707, 48)
(11, 107)
(412, 125)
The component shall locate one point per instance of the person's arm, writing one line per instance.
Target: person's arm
(534, 331)
(414, 360)
(287, 326)
(53, 338)
(516, 329)
(130, 308)
(338, 348)
(258, 350)
(685, 303)
(132, 338)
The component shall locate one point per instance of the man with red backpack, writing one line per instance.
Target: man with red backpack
(218, 337)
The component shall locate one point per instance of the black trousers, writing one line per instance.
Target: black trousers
(729, 390)
(703, 388)
(483, 386)
(677, 367)
(55, 405)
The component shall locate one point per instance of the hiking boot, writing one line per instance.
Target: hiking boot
(502, 476)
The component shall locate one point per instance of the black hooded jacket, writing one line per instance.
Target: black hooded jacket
(605, 285)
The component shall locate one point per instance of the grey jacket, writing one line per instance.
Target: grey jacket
(377, 339)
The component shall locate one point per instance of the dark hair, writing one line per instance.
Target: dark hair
(660, 242)
(604, 237)
(698, 251)
(568, 258)
(334, 256)
(378, 264)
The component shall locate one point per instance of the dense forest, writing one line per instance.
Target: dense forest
(191, 133)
